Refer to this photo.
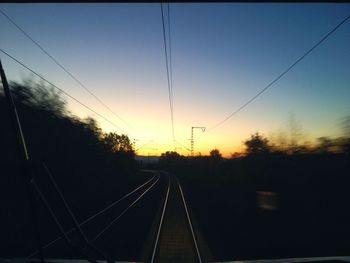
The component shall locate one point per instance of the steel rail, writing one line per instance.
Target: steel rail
(92, 217)
(189, 222)
(161, 222)
(124, 211)
(77, 250)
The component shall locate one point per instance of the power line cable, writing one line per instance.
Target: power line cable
(281, 75)
(62, 67)
(188, 149)
(168, 76)
(170, 59)
(200, 136)
(143, 145)
(171, 69)
(61, 90)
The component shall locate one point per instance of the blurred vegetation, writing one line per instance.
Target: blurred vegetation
(307, 183)
(68, 144)
(91, 167)
(94, 168)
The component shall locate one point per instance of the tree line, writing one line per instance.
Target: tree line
(50, 128)
(91, 167)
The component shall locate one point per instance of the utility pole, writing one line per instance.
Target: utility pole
(28, 169)
(192, 138)
(23, 157)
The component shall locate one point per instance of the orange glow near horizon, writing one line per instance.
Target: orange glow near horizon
(214, 73)
(152, 135)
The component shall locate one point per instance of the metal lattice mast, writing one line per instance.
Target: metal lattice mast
(192, 137)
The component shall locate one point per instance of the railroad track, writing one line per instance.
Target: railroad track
(175, 240)
(97, 224)
(167, 235)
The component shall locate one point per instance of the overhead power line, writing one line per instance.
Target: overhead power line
(61, 90)
(188, 149)
(62, 67)
(280, 75)
(168, 76)
(170, 60)
(143, 145)
(171, 72)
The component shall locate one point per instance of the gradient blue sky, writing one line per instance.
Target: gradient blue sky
(223, 54)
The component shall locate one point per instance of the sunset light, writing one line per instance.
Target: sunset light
(222, 55)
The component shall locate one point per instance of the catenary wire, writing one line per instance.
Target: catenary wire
(61, 66)
(170, 62)
(168, 75)
(61, 90)
(280, 75)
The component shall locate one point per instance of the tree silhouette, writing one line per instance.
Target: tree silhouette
(85, 168)
(170, 155)
(325, 144)
(117, 143)
(58, 137)
(171, 160)
(215, 154)
(40, 96)
(257, 144)
(295, 134)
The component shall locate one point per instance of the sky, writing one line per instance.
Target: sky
(222, 55)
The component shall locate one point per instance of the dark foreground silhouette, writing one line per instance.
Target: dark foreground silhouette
(269, 204)
(90, 167)
(266, 204)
